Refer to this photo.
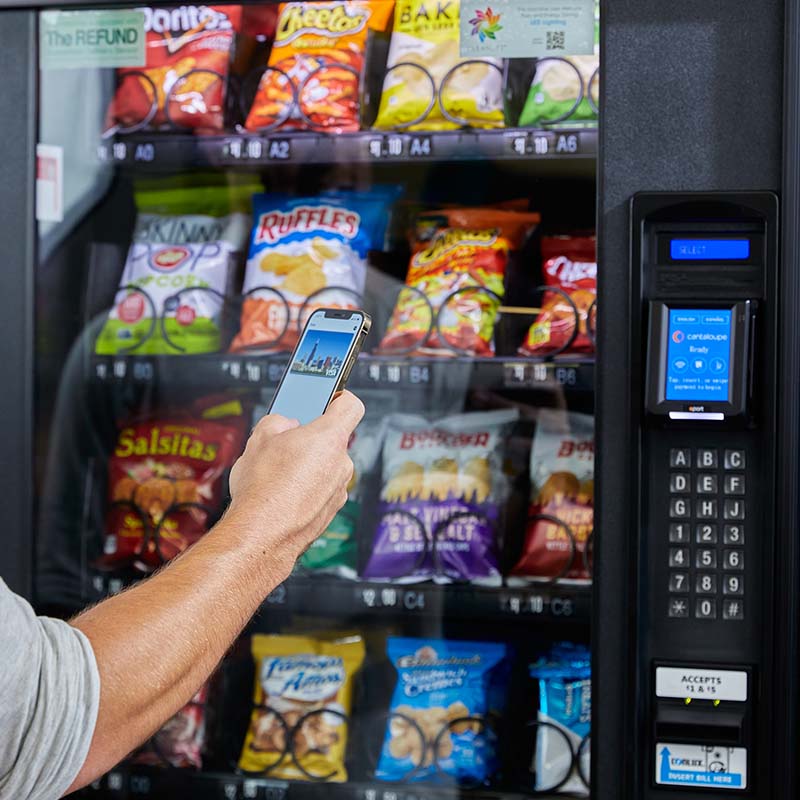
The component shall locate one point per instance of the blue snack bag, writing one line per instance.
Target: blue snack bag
(439, 727)
(565, 703)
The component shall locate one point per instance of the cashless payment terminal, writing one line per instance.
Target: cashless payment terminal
(705, 272)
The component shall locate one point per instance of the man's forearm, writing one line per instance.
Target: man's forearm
(151, 658)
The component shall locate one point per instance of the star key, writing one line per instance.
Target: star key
(678, 607)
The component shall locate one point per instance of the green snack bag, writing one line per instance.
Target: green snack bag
(564, 90)
(179, 268)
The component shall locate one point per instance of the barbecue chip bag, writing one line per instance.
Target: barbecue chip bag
(428, 86)
(315, 70)
(165, 484)
(439, 728)
(299, 247)
(441, 499)
(569, 263)
(562, 491)
(180, 267)
(183, 84)
(302, 701)
(456, 281)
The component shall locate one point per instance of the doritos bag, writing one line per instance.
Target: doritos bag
(302, 700)
(562, 486)
(569, 263)
(315, 70)
(299, 247)
(179, 269)
(467, 252)
(185, 77)
(165, 484)
(442, 496)
(428, 86)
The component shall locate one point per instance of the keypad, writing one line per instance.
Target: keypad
(706, 533)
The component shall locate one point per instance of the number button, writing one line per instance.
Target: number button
(734, 484)
(680, 458)
(679, 532)
(707, 459)
(733, 584)
(706, 584)
(706, 509)
(733, 559)
(706, 484)
(733, 609)
(733, 534)
(679, 482)
(733, 509)
(679, 607)
(678, 582)
(678, 557)
(706, 609)
(734, 459)
(706, 559)
(706, 534)
(679, 508)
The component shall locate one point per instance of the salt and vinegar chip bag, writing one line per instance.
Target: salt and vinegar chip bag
(183, 84)
(425, 74)
(298, 247)
(562, 486)
(316, 66)
(302, 701)
(180, 266)
(441, 500)
(445, 695)
(468, 254)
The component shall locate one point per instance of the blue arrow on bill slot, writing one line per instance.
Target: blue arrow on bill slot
(665, 754)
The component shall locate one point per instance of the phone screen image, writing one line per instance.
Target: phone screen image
(315, 368)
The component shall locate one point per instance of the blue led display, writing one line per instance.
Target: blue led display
(709, 249)
(698, 354)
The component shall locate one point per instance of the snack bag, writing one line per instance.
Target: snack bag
(300, 246)
(564, 90)
(569, 263)
(181, 740)
(316, 66)
(562, 486)
(460, 252)
(302, 700)
(440, 725)
(165, 484)
(443, 492)
(183, 84)
(428, 86)
(180, 266)
(565, 701)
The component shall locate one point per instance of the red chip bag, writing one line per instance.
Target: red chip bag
(165, 485)
(183, 82)
(561, 511)
(569, 264)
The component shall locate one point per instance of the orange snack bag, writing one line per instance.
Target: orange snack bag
(314, 72)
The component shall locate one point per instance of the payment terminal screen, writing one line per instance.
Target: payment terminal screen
(698, 354)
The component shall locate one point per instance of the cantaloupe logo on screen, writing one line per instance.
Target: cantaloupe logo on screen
(677, 337)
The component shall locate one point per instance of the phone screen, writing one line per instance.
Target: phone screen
(316, 364)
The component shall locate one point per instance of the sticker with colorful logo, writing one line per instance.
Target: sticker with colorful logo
(486, 24)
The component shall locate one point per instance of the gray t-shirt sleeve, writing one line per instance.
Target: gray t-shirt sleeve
(49, 695)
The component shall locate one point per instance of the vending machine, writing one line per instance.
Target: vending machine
(567, 564)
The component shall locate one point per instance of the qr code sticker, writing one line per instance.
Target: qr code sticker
(555, 40)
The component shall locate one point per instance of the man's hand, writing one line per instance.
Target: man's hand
(293, 479)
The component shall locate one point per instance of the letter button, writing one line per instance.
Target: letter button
(679, 532)
(680, 458)
(679, 607)
(734, 484)
(679, 508)
(733, 509)
(707, 459)
(706, 509)
(706, 609)
(679, 482)
(733, 609)
(706, 484)
(734, 459)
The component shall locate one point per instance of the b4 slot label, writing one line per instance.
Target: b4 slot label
(701, 766)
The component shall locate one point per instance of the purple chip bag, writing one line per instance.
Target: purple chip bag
(443, 490)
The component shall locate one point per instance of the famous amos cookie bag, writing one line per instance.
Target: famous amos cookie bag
(315, 70)
(442, 498)
(562, 498)
(442, 716)
(184, 81)
(302, 702)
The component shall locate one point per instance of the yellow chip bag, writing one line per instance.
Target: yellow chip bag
(428, 86)
(302, 701)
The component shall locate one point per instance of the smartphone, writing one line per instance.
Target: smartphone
(320, 364)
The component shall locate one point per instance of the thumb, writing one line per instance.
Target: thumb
(345, 412)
